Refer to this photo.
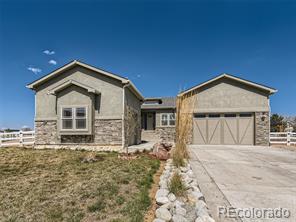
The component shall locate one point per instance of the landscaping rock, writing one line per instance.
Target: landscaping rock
(179, 203)
(184, 169)
(188, 208)
(200, 205)
(158, 220)
(163, 184)
(168, 205)
(179, 218)
(162, 200)
(181, 211)
(172, 197)
(204, 219)
(163, 213)
(195, 196)
(162, 193)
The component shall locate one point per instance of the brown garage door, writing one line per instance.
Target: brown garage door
(224, 128)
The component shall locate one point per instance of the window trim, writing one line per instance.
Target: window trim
(168, 119)
(74, 118)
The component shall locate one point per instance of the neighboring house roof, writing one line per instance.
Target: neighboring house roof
(159, 103)
(228, 76)
(74, 63)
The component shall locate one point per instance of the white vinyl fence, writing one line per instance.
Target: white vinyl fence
(283, 138)
(20, 138)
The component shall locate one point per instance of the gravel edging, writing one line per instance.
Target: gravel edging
(180, 209)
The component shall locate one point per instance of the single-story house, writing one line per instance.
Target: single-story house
(158, 118)
(230, 110)
(81, 104)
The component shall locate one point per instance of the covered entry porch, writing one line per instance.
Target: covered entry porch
(148, 119)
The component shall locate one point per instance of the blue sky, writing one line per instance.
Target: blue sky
(162, 46)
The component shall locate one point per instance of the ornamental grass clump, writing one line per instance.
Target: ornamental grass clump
(176, 185)
(185, 104)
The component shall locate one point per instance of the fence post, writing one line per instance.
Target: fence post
(288, 138)
(21, 138)
(1, 140)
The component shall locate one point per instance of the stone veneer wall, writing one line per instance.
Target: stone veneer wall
(166, 133)
(46, 132)
(132, 126)
(262, 129)
(108, 132)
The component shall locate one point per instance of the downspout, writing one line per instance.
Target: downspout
(123, 116)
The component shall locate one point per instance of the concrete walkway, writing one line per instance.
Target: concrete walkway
(246, 177)
(145, 145)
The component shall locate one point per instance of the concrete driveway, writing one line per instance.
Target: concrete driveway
(246, 177)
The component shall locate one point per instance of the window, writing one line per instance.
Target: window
(200, 116)
(74, 118)
(168, 119)
(67, 118)
(214, 115)
(80, 118)
(245, 115)
(230, 115)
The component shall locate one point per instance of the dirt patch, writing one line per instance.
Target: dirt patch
(150, 214)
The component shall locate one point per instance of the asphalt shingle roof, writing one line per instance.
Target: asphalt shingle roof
(159, 103)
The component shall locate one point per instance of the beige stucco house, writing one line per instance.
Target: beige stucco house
(81, 104)
(230, 110)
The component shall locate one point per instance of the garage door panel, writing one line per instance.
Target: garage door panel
(200, 131)
(246, 130)
(230, 131)
(214, 131)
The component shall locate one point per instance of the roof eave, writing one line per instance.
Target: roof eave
(259, 86)
(43, 79)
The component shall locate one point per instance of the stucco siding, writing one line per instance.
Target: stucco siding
(109, 100)
(132, 117)
(229, 96)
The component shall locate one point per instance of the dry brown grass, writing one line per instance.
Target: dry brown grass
(185, 104)
(55, 185)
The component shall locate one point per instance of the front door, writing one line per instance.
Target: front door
(150, 121)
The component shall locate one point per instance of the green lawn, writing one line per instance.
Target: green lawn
(54, 185)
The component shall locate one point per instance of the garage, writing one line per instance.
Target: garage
(228, 110)
(223, 128)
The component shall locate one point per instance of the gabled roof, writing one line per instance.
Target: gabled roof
(159, 103)
(74, 63)
(69, 83)
(228, 76)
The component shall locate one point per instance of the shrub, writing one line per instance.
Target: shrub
(176, 185)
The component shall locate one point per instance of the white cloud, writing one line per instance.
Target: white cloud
(48, 52)
(34, 70)
(52, 62)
